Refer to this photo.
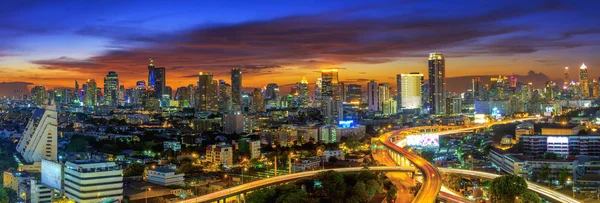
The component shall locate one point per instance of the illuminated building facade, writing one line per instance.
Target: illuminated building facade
(93, 181)
(411, 90)
(111, 89)
(584, 81)
(437, 83)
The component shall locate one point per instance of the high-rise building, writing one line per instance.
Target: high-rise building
(411, 90)
(332, 110)
(354, 93)
(151, 77)
(39, 140)
(207, 92)
(437, 83)
(168, 91)
(272, 92)
(183, 96)
(384, 94)
(91, 95)
(77, 91)
(236, 86)
(584, 81)
(111, 89)
(233, 123)
(318, 89)
(225, 100)
(88, 181)
(160, 81)
(329, 83)
(341, 91)
(38, 95)
(373, 96)
(303, 93)
(566, 78)
(477, 88)
(258, 101)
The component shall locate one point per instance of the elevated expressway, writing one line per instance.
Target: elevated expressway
(432, 182)
(242, 189)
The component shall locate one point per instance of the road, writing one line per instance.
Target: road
(544, 191)
(401, 180)
(432, 181)
(215, 196)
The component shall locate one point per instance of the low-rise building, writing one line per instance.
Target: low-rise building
(93, 181)
(165, 177)
(13, 178)
(172, 145)
(338, 154)
(220, 154)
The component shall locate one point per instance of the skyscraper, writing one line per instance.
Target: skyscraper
(160, 81)
(77, 96)
(411, 90)
(477, 88)
(384, 94)
(38, 95)
(258, 101)
(151, 74)
(566, 78)
(225, 100)
(584, 81)
(318, 89)
(207, 92)
(111, 89)
(373, 95)
(272, 92)
(183, 96)
(91, 93)
(236, 86)
(354, 93)
(437, 83)
(330, 83)
(303, 93)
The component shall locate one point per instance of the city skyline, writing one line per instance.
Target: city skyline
(515, 40)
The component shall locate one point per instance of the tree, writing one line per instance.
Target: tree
(3, 196)
(453, 181)
(506, 188)
(135, 169)
(530, 197)
(159, 200)
(334, 187)
(292, 194)
(544, 173)
(391, 193)
(263, 195)
(360, 192)
(563, 176)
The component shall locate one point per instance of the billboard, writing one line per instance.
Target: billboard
(424, 140)
(51, 174)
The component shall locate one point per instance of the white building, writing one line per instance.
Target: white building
(338, 154)
(172, 145)
(91, 181)
(39, 193)
(165, 177)
(373, 96)
(410, 90)
(39, 140)
(254, 149)
(220, 154)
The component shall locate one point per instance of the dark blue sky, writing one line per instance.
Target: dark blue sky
(54, 43)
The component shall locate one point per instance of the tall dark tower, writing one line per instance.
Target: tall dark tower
(236, 86)
(437, 83)
(160, 81)
(151, 77)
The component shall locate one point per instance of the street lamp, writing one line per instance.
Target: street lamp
(572, 186)
(471, 157)
(148, 188)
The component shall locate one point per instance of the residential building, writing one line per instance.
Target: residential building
(39, 140)
(373, 96)
(165, 177)
(410, 90)
(220, 154)
(233, 123)
(172, 145)
(437, 83)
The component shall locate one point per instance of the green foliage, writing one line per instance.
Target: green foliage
(506, 188)
(77, 144)
(544, 173)
(452, 181)
(530, 197)
(360, 192)
(391, 193)
(333, 185)
(7, 195)
(135, 169)
(563, 176)
(262, 196)
(292, 194)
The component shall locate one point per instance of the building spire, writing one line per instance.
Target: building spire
(151, 61)
(583, 66)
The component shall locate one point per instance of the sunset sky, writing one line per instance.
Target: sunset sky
(54, 43)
